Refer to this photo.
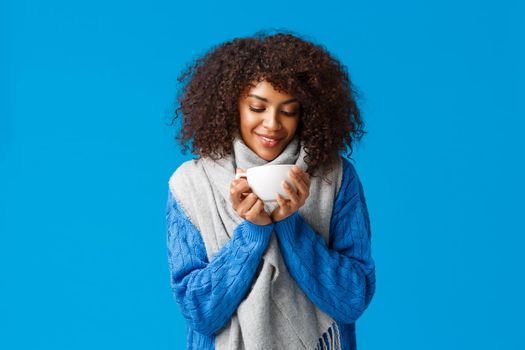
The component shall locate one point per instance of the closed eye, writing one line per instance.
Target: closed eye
(260, 110)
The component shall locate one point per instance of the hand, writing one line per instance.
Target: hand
(246, 203)
(301, 181)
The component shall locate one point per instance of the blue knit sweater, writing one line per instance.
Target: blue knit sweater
(338, 278)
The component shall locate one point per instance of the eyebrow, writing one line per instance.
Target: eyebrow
(266, 100)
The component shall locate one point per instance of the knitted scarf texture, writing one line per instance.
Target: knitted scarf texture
(275, 313)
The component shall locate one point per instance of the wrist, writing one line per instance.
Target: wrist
(264, 222)
(278, 218)
(255, 232)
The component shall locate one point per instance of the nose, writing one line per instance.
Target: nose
(271, 121)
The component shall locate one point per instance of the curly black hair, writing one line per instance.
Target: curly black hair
(330, 120)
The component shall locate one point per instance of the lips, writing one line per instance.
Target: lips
(268, 141)
(270, 138)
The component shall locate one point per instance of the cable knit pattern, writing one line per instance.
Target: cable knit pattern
(339, 278)
(209, 292)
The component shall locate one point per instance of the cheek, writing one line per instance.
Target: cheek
(291, 125)
(248, 121)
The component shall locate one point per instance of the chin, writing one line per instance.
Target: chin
(269, 156)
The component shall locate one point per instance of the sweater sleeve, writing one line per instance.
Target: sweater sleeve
(208, 293)
(339, 279)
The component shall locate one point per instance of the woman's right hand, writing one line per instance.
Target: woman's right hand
(249, 207)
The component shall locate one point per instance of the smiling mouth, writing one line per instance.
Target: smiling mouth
(268, 142)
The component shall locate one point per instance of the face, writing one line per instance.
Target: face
(265, 112)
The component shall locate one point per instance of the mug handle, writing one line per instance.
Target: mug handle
(239, 175)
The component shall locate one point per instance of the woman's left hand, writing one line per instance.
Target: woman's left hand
(287, 207)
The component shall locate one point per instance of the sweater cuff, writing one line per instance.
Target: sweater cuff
(286, 227)
(256, 233)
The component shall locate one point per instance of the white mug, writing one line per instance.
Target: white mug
(265, 180)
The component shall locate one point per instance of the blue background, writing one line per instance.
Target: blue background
(86, 91)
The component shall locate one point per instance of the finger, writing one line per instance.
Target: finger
(281, 201)
(300, 184)
(299, 176)
(255, 210)
(243, 187)
(246, 204)
(237, 189)
(294, 198)
(306, 178)
(303, 175)
(241, 172)
(235, 198)
(239, 181)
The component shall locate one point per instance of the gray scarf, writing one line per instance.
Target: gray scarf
(275, 314)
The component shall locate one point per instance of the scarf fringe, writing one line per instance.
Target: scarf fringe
(330, 339)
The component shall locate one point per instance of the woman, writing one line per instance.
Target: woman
(291, 274)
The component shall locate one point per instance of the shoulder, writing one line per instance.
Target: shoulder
(351, 188)
(182, 175)
(349, 173)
